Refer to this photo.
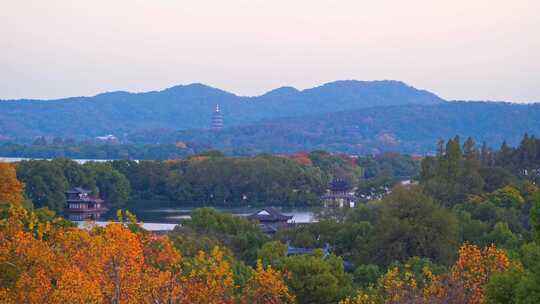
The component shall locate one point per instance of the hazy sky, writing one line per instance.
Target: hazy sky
(459, 49)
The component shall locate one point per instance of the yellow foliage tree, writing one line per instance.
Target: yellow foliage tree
(28, 268)
(474, 267)
(266, 286)
(402, 287)
(41, 262)
(210, 280)
(74, 286)
(11, 189)
(114, 259)
(163, 280)
(465, 284)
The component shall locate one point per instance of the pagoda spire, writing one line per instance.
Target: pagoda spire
(217, 119)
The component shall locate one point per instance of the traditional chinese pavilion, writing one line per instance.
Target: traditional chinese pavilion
(82, 206)
(339, 195)
(270, 220)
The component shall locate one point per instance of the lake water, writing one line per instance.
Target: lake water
(147, 226)
(166, 217)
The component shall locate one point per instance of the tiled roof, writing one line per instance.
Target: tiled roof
(79, 190)
(339, 185)
(268, 215)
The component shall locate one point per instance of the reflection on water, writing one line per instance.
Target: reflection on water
(163, 212)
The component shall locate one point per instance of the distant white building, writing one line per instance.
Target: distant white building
(408, 182)
(108, 138)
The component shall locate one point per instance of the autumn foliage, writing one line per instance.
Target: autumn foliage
(47, 263)
(266, 287)
(302, 158)
(475, 267)
(50, 261)
(465, 284)
(10, 187)
(46, 260)
(402, 286)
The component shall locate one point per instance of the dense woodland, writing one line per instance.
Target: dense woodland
(406, 128)
(208, 179)
(469, 232)
(69, 148)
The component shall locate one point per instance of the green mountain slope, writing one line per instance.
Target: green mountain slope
(191, 106)
(403, 128)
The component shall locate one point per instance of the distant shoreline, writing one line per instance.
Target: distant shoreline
(80, 161)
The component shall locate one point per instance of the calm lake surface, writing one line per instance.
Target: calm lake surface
(166, 218)
(166, 212)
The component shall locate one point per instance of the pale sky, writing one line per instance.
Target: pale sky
(459, 49)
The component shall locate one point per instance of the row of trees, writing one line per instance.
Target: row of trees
(457, 171)
(46, 181)
(526, 156)
(487, 190)
(89, 150)
(205, 179)
(218, 180)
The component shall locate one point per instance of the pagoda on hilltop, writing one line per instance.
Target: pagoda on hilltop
(217, 119)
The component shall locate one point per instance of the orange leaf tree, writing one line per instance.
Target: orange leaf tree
(163, 280)
(210, 279)
(48, 262)
(11, 189)
(29, 267)
(266, 286)
(474, 267)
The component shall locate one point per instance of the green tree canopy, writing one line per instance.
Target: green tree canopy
(315, 279)
(412, 224)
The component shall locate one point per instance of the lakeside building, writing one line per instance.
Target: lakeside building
(83, 206)
(270, 220)
(339, 195)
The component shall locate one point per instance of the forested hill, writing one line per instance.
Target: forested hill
(403, 128)
(191, 106)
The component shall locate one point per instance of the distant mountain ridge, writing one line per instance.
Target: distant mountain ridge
(190, 106)
(412, 129)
